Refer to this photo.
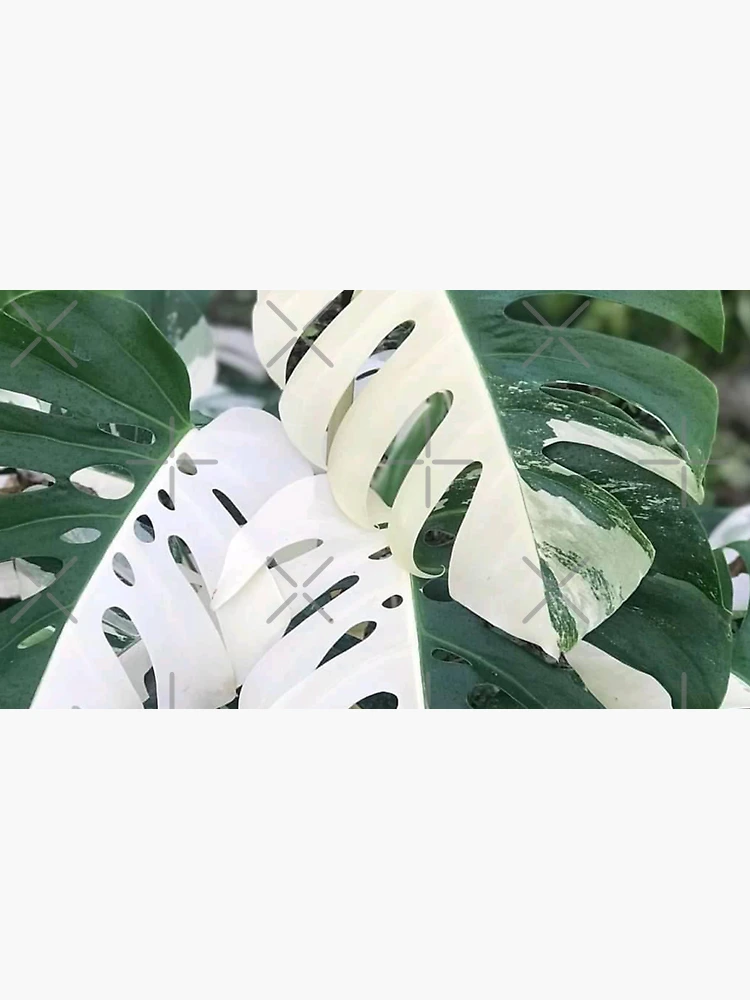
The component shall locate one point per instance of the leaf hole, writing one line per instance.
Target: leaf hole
(322, 600)
(27, 402)
(381, 554)
(122, 569)
(165, 499)
(352, 637)
(315, 327)
(490, 696)
(125, 641)
(393, 602)
(81, 536)
(554, 310)
(37, 638)
(25, 577)
(594, 398)
(383, 699)
(396, 337)
(230, 507)
(447, 656)
(108, 482)
(23, 481)
(143, 528)
(149, 683)
(188, 564)
(411, 447)
(119, 629)
(128, 432)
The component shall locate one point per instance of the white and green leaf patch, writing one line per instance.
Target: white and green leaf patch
(317, 614)
(676, 626)
(108, 367)
(535, 531)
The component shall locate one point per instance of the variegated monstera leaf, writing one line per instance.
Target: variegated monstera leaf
(120, 538)
(543, 552)
(331, 621)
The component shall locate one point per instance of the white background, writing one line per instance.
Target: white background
(405, 854)
(465, 145)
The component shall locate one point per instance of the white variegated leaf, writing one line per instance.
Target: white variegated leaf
(363, 627)
(245, 456)
(536, 533)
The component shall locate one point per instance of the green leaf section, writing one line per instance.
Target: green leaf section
(104, 362)
(546, 386)
(676, 626)
(699, 312)
(518, 369)
(468, 663)
(670, 631)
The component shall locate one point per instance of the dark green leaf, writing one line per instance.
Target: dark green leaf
(116, 368)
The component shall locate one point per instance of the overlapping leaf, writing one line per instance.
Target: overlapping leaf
(362, 627)
(119, 396)
(536, 531)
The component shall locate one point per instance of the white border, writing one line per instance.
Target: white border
(350, 855)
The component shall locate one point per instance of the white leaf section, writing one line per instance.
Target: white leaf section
(289, 673)
(496, 565)
(613, 683)
(245, 455)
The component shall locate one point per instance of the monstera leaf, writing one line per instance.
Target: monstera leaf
(119, 403)
(132, 486)
(675, 628)
(537, 534)
(315, 613)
